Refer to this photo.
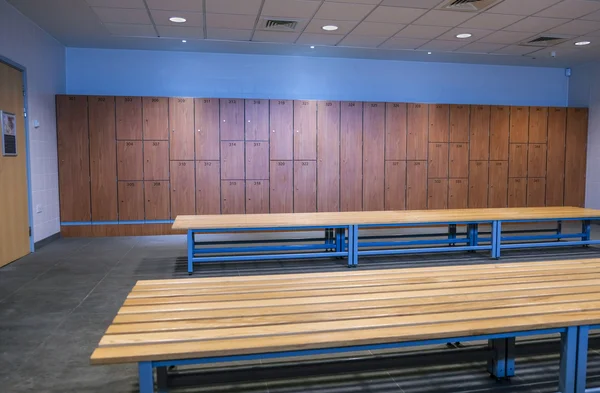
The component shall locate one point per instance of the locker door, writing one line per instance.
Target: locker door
(418, 129)
(416, 185)
(156, 118)
(208, 187)
(232, 119)
(373, 156)
(437, 190)
(257, 120)
(282, 132)
(480, 133)
(181, 123)
(498, 184)
(257, 160)
(257, 197)
(555, 184)
(517, 192)
(536, 192)
(131, 200)
(439, 123)
(305, 130)
(282, 187)
(129, 118)
(395, 185)
(478, 184)
(536, 166)
(206, 121)
(538, 125)
(351, 156)
(130, 160)
(395, 131)
(156, 160)
(499, 131)
(183, 194)
(103, 158)
(576, 155)
(157, 200)
(232, 160)
(458, 193)
(459, 123)
(459, 160)
(438, 160)
(328, 155)
(233, 197)
(519, 124)
(517, 166)
(305, 186)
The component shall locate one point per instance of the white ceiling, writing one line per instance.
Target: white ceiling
(380, 29)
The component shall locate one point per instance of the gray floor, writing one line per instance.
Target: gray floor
(55, 305)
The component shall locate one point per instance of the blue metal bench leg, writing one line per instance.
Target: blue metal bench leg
(568, 360)
(146, 377)
(472, 231)
(502, 361)
(350, 246)
(510, 356)
(452, 233)
(191, 246)
(559, 230)
(162, 378)
(498, 239)
(355, 253)
(586, 230)
(582, 353)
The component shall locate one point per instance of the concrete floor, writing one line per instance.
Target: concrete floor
(56, 304)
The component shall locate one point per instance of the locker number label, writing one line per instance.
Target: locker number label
(130, 184)
(258, 183)
(256, 144)
(280, 163)
(156, 184)
(155, 100)
(208, 164)
(128, 99)
(328, 104)
(233, 183)
(155, 143)
(183, 164)
(305, 163)
(232, 143)
(129, 144)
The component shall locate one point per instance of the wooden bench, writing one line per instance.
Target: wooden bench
(342, 233)
(203, 320)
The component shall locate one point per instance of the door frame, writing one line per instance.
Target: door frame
(23, 70)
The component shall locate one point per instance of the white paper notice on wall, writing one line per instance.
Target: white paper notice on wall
(9, 133)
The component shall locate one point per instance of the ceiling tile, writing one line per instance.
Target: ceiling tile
(571, 9)
(319, 39)
(515, 50)
(129, 30)
(117, 3)
(193, 19)
(427, 4)
(180, 32)
(175, 5)
(476, 34)
(520, 7)
(246, 7)
(230, 21)
(343, 11)
(362, 41)
(576, 27)
(423, 32)
(443, 18)
(275, 36)
(480, 47)
(403, 43)
(442, 46)
(355, 1)
(290, 8)
(377, 29)
(395, 15)
(491, 21)
(506, 37)
(535, 24)
(119, 15)
(316, 26)
(593, 16)
(228, 34)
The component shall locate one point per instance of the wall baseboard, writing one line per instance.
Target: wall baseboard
(44, 242)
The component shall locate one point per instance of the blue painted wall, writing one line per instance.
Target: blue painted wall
(130, 72)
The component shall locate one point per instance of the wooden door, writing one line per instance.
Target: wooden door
(282, 187)
(282, 130)
(439, 123)
(519, 124)
(538, 124)
(257, 196)
(437, 194)
(232, 120)
(395, 185)
(555, 184)
(156, 160)
(536, 192)
(438, 160)
(156, 196)
(129, 118)
(517, 166)
(459, 160)
(206, 124)
(395, 131)
(130, 160)
(536, 166)
(458, 193)
(305, 130)
(478, 184)
(257, 160)
(498, 192)
(131, 200)
(183, 194)
(328, 155)
(459, 123)
(305, 186)
(418, 128)
(576, 153)
(233, 196)
(517, 192)
(351, 146)
(479, 144)
(181, 124)
(232, 160)
(416, 185)
(156, 118)
(373, 156)
(257, 120)
(499, 132)
(208, 187)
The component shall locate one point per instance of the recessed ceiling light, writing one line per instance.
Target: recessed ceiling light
(428, 53)
(464, 35)
(582, 43)
(184, 41)
(177, 19)
(330, 28)
(312, 47)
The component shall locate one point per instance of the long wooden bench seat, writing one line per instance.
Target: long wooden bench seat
(200, 320)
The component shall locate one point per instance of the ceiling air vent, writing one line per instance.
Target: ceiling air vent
(278, 24)
(544, 41)
(467, 5)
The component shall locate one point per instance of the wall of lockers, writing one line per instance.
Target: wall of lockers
(149, 159)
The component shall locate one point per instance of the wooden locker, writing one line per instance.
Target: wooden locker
(131, 200)
(181, 124)
(233, 197)
(458, 193)
(305, 186)
(517, 165)
(437, 191)
(232, 160)
(351, 146)
(208, 187)
(417, 132)
(479, 144)
(395, 131)
(538, 124)
(206, 123)
(555, 184)
(499, 131)
(519, 124)
(416, 185)
(395, 185)
(156, 118)
(459, 160)
(257, 120)
(438, 160)
(183, 189)
(73, 158)
(129, 118)
(305, 130)
(536, 192)
(478, 184)
(257, 160)
(498, 192)
(257, 197)
(103, 158)
(232, 119)
(130, 160)
(157, 199)
(576, 155)
(459, 123)
(373, 156)
(282, 131)
(439, 123)
(536, 166)
(156, 160)
(328, 155)
(282, 187)
(517, 192)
